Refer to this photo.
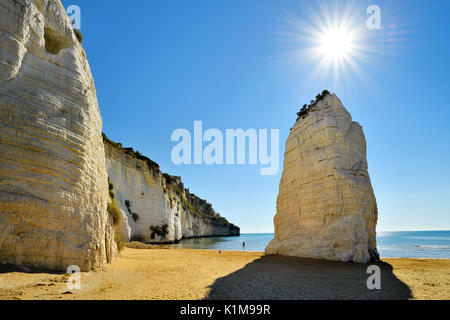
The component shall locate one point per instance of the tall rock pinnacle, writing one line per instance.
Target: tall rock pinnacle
(326, 207)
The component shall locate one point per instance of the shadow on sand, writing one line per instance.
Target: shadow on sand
(11, 268)
(287, 278)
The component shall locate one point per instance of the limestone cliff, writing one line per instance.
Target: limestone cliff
(326, 207)
(155, 207)
(53, 181)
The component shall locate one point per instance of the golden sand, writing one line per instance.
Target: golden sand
(160, 274)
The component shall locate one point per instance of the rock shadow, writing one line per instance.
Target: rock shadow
(288, 278)
(11, 268)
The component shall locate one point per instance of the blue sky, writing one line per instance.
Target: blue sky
(161, 65)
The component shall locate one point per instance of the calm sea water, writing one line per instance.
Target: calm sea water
(409, 244)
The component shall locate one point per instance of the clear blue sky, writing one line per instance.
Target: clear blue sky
(161, 65)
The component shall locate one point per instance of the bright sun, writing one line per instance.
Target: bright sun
(331, 43)
(336, 44)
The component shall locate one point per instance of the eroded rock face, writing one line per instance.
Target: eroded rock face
(326, 207)
(53, 181)
(149, 200)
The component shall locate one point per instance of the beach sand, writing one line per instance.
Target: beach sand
(159, 274)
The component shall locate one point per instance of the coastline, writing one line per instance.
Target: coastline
(410, 244)
(150, 243)
(191, 274)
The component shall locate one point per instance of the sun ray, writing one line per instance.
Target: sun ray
(330, 44)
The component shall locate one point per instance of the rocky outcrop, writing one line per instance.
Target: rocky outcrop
(53, 181)
(326, 207)
(54, 198)
(155, 207)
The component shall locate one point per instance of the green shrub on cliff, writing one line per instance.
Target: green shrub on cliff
(307, 108)
(112, 207)
(162, 231)
(176, 189)
(112, 196)
(169, 179)
(78, 35)
(187, 206)
(120, 244)
(153, 166)
(220, 220)
(114, 212)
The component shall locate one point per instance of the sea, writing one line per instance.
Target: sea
(405, 244)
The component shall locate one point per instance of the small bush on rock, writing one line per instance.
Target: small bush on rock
(162, 231)
(78, 35)
(114, 212)
(120, 244)
(307, 108)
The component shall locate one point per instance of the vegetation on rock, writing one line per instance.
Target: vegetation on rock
(169, 179)
(112, 207)
(153, 166)
(120, 244)
(111, 190)
(188, 207)
(307, 108)
(78, 35)
(179, 197)
(161, 231)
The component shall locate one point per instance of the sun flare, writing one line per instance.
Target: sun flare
(336, 43)
(331, 45)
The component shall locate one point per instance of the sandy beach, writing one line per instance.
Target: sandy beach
(159, 274)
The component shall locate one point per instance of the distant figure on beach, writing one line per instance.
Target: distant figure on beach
(243, 245)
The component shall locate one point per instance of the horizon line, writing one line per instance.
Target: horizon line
(424, 230)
